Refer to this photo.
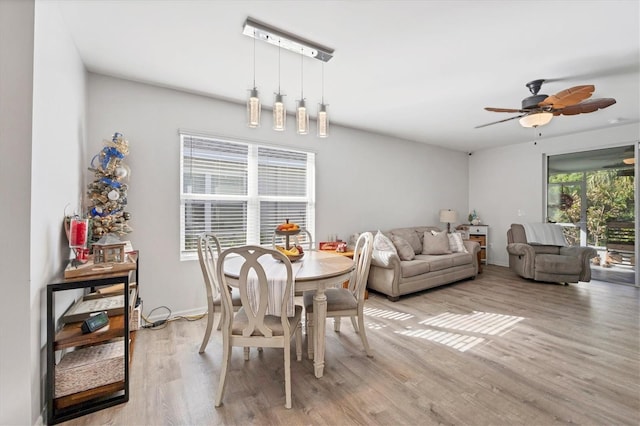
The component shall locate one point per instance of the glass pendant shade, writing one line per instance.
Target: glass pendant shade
(323, 121)
(253, 109)
(302, 118)
(279, 114)
(537, 119)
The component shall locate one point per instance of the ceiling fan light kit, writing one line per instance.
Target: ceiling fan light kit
(538, 110)
(536, 119)
(305, 48)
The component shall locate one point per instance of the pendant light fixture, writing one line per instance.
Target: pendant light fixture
(253, 103)
(323, 118)
(279, 109)
(286, 40)
(302, 115)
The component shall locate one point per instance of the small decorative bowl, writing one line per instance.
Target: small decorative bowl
(292, 258)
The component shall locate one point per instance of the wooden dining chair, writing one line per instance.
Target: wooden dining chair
(254, 327)
(346, 302)
(208, 252)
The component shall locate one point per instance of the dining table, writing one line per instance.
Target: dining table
(318, 270)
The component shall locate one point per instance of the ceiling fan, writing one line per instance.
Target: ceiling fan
(538, 110)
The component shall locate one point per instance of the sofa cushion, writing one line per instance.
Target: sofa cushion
(403, 248)
(558, 264)
(410, 235)
(436, 243)
(461, 259)
(455, 243)
(411, 268)
(436, 262)
(546, 249)
(383, 243)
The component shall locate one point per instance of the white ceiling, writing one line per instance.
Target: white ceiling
(419, 70)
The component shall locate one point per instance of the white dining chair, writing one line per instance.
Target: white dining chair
(253, 326)
(208, 252)
(346, 302)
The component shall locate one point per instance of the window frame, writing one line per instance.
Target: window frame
(252, 198)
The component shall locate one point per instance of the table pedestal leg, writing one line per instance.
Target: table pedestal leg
(319, 322)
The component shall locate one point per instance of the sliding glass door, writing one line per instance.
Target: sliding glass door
(592, 195)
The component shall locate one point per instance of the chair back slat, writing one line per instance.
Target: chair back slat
(362, 254)
(252, 267)
(208, 252)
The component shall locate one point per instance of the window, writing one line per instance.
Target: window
(242, 191)
(587, 190)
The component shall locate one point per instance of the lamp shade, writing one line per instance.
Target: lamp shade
(323, 121)
(302, 118)
(537, 119)
(279, 114)
(253, 109)
(448, 216)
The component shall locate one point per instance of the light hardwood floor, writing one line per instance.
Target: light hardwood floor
(497, 350)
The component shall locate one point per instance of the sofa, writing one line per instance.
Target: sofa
(547, 258)
(405, 263)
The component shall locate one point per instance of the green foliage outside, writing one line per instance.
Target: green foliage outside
(609, 198)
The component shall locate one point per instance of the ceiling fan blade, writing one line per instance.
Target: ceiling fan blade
(587, 106)
(623, 66)
(500, 121)
(503, 109)
(568, 97)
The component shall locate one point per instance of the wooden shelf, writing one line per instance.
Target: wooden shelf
(71, 334)
(96, 355)
(90, 270)
(79, 397)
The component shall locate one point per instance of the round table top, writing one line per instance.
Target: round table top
(314, 265)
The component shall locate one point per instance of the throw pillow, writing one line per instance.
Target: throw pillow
(455, 243)
(436, 243)
(405, 251)
(410, 236)
(382, 243)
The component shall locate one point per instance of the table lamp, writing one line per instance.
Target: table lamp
(448, 216)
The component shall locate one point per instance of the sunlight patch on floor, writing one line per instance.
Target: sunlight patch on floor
(460, 342)
(375, 326)
(387, 314)
(476, 322)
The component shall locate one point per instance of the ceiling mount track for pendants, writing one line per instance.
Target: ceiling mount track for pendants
(261, 31)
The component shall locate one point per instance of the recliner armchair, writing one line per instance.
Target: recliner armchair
(550, 263)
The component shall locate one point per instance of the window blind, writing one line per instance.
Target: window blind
(242, 191)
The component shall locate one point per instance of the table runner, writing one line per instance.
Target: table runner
(276, 274)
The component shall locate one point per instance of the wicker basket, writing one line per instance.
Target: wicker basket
(89, 368)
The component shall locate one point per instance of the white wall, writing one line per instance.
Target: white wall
(42, 103)
(57, 168)
(506, 184)
(16, 311)
(363, 181)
